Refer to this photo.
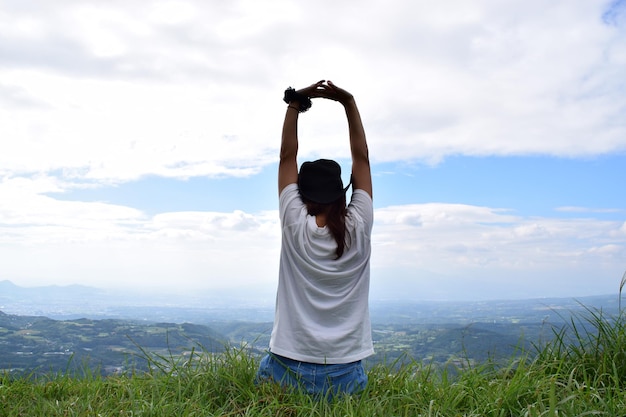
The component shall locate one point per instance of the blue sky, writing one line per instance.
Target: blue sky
(140, 142)
(529, 186)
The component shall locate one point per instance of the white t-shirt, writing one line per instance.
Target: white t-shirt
(322, 312)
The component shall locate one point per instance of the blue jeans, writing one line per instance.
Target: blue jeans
(314, 378)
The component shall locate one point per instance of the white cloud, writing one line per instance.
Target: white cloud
(118, 91)
(574, 209)
(428, 248)
(422, 247)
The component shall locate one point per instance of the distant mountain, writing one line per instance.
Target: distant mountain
(10, 291)
(77, 301)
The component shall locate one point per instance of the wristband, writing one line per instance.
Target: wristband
(292, 95)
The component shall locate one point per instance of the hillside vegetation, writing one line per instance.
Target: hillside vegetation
(579, 372)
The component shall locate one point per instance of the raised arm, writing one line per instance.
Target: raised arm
(361, 173)
(288, 164)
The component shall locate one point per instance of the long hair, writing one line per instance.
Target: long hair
(335, 220)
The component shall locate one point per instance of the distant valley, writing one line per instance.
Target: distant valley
(59, 329)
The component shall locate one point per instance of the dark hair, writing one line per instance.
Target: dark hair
(335, 219)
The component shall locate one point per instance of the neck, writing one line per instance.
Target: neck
(320, 220)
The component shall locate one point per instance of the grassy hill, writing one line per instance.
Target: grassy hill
(579, 372)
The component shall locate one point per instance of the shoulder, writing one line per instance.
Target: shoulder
(361, 206)
(288, 193)
(361, 199)
(290, 204)
(363, 195)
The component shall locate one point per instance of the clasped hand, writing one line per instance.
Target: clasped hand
(326, 89)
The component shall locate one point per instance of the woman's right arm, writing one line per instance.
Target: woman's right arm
(361, 173)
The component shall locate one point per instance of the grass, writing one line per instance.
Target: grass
(580, 372)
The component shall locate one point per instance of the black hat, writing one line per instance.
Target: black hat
(320, 181)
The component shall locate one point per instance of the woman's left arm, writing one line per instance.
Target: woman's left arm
(288, 164)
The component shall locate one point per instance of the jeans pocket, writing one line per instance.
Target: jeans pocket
(348, 378)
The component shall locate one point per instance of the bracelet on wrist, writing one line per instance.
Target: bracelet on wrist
(291, 106)
(292, 95)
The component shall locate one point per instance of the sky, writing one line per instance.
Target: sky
(139, 142)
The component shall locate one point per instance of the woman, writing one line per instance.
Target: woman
(321, 327)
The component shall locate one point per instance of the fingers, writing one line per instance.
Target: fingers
(317, 84)
(332, 88)
(324, 89)
(330, 91)
(310, 90)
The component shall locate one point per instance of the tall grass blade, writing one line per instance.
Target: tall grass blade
(621, 287)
